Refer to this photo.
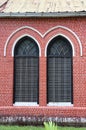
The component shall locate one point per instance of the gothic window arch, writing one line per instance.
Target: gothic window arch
(26, 71)
(59, 71)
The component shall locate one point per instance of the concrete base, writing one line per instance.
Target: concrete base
(26, 120)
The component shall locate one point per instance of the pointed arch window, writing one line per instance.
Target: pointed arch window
(59, 72)
(26, 72)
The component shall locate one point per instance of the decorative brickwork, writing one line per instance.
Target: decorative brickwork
(42, 30)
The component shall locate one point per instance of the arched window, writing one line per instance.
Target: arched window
(26, 72)
(59, 71)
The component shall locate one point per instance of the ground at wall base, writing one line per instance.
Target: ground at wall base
(34, 120)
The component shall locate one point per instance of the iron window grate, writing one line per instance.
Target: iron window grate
(26, 71)
(59, 71)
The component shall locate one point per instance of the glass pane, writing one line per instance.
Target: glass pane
(59, 47)
(26, 79)
(26, 71)
(26, 47)
(59, 65)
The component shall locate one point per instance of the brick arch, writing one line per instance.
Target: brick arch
(46, 37)
(17, 35)
(66, 33)
(13, 47)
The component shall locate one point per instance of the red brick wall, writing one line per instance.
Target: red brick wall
(72, 28)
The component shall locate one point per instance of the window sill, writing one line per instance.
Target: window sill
(59, 104)
(25, 104)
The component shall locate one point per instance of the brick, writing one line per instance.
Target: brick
(7, 27)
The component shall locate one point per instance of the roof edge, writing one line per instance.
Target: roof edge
(42, 14)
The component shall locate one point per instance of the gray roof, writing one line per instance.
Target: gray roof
(42, 8)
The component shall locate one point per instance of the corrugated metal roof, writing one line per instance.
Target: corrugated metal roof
(2, 2)
(39, 6)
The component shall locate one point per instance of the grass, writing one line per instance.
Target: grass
(36, 128)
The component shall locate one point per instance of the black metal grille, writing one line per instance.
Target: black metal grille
(26, 71)
(26, 47)
(59, 47)
(59, 65)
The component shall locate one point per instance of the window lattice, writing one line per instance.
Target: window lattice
(59, 65)
(26, 71)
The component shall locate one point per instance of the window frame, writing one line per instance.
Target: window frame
(16, 103)
(61, 103)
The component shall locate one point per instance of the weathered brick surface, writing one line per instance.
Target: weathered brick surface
(42, 25)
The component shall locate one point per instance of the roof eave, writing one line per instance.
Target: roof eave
(42, 14)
